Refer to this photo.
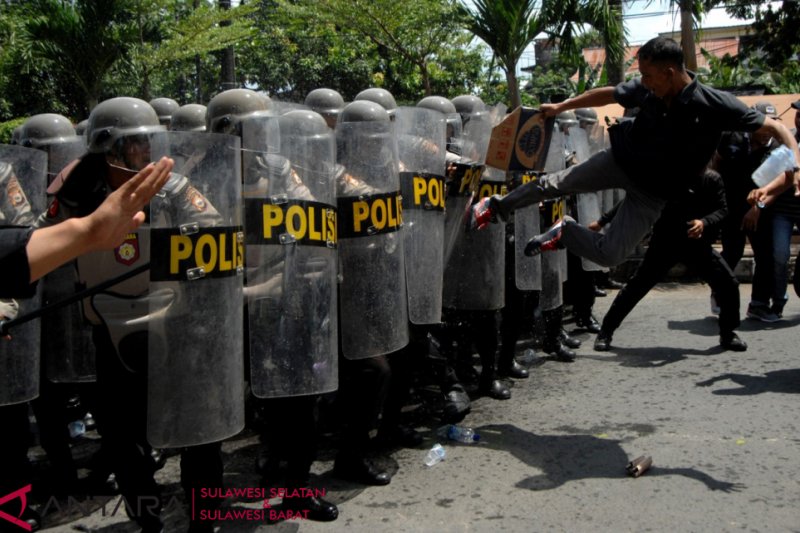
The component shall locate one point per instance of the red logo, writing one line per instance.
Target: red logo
(20, 493)
(128, 252)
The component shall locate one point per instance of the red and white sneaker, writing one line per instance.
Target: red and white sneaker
(549, 240)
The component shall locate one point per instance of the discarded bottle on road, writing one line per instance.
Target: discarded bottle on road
(779, 160)
(639, 466)
(458, 433)
(435, 455)
(76, 429)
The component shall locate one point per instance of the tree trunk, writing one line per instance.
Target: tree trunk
(228, 67)
(514, 98)
(687, 36)
(615, 70)
(426, 77)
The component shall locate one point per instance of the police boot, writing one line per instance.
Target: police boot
(300, 500)
(552, 336)
(358, 468)
(508, 367)
(588, 322)
(456, 404)
(568, 340)
(492, 387)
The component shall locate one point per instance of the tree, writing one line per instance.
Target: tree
(414, 30)
(509, 26)
(79, 40)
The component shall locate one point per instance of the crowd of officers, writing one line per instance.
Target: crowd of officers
(304, 261)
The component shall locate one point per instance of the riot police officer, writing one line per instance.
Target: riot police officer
(164, 108)
(372, 294)
(189, 117)
(327, 102)
(119, 132)
(290, 289)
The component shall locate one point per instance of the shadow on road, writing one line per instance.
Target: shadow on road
(784, 381)
(565, 458)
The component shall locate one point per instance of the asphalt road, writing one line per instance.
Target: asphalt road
(721, 428)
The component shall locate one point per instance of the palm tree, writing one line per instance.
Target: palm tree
(81, 40)
(691, 13)
(509, 26)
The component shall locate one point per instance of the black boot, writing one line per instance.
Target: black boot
(492, 387)
(588, 322)
(553, 344)
(568, 340)
(508, 367)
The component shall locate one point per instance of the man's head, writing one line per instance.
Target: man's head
(120, 128)
(661, 66)
(41, 131)
(227, 109)
(796, 106)
(164, 108)
(769, 110)
(326, 102)
(190, 117)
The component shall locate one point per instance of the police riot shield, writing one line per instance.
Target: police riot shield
(421, 148)
(474, 275)
(291, 260)
(527, 270)
(195, 364)
(372, 288)
(68, 353)
(587, 204)
(22, 197)
(61, 154)
(554, 263)
(463, 176)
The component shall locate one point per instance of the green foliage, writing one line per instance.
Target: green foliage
(729, 72)
(7, 128)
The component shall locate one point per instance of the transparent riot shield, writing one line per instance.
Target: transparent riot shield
(528, 270)
(195, 363)
(554, 263)
(372, 288)
(587, 204)
(22, 197)
(464, 174)
(421, 149)
(474, 276)
(68, 353)
(59, 155)
(291, 260)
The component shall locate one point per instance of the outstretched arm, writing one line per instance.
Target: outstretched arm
(104, 229)
(592, 98)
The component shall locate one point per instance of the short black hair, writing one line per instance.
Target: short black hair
(662, 50)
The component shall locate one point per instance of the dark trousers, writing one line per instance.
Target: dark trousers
(122, 421)
(733, 238)
(290, 432)
(473, 328)
(663, 254)
(363, 388)
(579, 287)
(518, 311)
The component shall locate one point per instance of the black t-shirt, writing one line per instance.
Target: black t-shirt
(737, 160)
(14, 263)
(663, 146)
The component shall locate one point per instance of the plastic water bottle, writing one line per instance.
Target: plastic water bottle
(458, 434)
(435, 455)
(779, 160)
(76, 428)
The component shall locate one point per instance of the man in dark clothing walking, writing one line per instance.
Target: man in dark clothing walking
(684, 233)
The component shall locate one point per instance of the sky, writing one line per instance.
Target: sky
(645, 19)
